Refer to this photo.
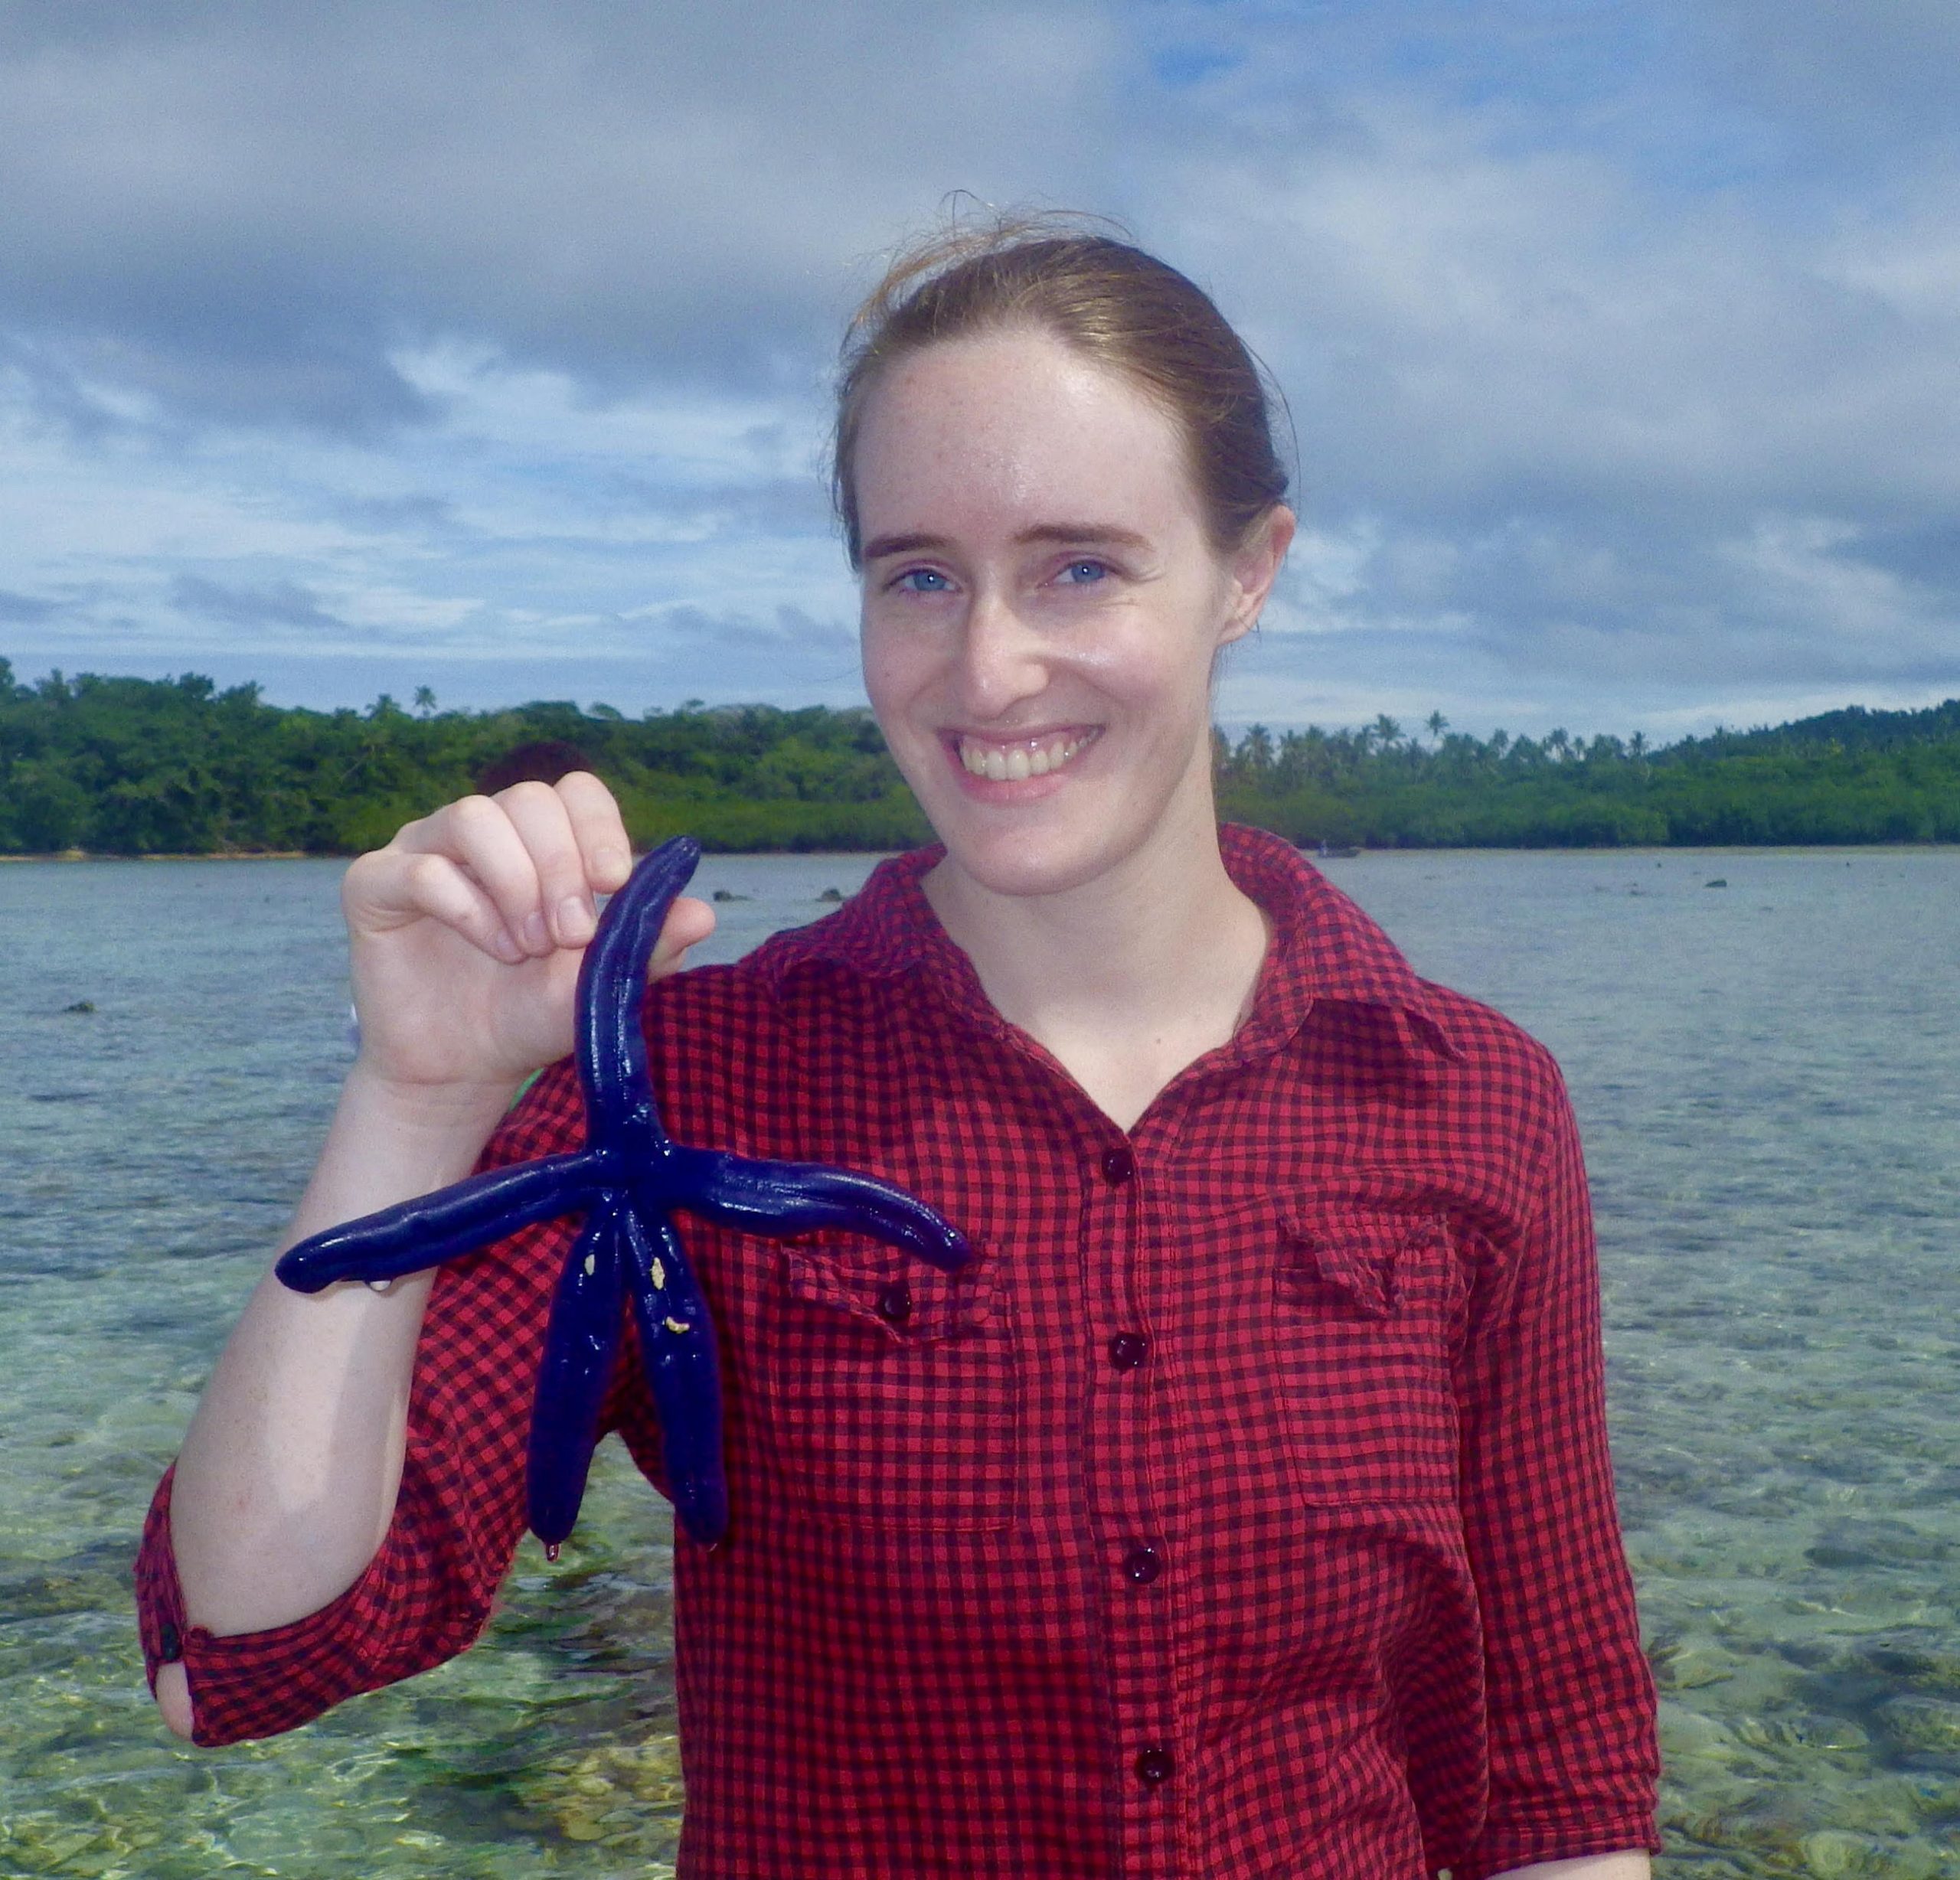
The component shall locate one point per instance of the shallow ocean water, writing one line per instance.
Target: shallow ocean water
(1767, 1074)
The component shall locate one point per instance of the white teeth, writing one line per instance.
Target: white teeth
(1010, 764)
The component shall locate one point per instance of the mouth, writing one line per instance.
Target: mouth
(1000, 760)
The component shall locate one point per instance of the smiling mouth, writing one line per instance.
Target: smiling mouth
(1026, 757)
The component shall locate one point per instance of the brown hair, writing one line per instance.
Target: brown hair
(1122, 308)
(546, 761)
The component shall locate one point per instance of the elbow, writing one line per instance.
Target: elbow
(173, 1699)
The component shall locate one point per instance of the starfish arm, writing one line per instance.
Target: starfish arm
(611, 1049)
(431, 1228)
(580, 1345)
(677, 1347)
(778, 1198)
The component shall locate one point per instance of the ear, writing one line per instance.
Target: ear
(1253, 568)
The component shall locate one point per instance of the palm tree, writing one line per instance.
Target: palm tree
(1254, 756)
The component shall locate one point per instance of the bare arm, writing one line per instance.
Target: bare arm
(465, 935)
(1627, 1866)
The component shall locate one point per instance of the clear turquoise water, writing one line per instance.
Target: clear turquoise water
(1768, 1075)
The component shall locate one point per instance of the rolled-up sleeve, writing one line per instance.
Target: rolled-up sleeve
(408, 1611)
(1571, 1719)
(428, 1591)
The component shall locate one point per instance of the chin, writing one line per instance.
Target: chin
(1022, 863)
(1016, 877)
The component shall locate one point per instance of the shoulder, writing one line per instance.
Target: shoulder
(878, 936)
(1335, 968)
(1494, 1060)
(835, 999)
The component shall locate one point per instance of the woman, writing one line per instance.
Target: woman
(1245, 1508)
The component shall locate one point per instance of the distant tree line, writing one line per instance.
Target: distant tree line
(1852, 775)
(175, 766)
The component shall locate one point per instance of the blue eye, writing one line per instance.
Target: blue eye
(923, 581)
(1080, 573)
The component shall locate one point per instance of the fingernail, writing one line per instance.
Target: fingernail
(504, 942)
(532, 933)
(574, 921)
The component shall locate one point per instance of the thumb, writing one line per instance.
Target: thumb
(689, 922)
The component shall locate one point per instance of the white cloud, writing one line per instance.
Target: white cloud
(1626, 377)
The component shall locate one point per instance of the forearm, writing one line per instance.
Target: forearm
(466, 934)
(289, 1473)
(1625, 1866)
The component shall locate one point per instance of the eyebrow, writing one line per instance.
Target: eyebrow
(1063, 534)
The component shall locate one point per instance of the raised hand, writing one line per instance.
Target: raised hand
(467, 930)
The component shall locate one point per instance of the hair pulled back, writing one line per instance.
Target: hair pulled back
(1111, 301)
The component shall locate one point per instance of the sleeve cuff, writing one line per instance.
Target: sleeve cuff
(257, 1684)
(1498, 1853)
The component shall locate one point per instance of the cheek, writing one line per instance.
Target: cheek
(895, 669)
(1156, 667)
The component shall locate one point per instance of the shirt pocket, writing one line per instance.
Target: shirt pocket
(893, 1391)
(1367, 1311)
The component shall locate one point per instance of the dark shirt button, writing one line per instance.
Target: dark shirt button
(169, 1642)
(1143, 1564)
(1118, 1165)
(1128, 1350)
(895, 1303)
(1153, 1765)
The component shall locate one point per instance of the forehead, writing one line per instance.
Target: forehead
(1017, 427)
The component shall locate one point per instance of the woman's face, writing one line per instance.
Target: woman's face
(1042, 608)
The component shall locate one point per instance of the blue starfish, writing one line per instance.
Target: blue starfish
(626, 1180)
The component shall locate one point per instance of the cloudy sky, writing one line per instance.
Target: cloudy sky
(397, 343)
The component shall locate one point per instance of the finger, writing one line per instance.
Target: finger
(688, 923)
(480, 834)
(549, 817)
(392, 887)
(559, 912)
(599, 829)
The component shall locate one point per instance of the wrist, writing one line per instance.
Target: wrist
(390, 1140)
(436, 1113)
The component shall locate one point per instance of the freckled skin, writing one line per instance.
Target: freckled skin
(626, 1181)
(1037, 569)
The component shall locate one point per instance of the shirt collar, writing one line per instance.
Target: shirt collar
(1324, 947)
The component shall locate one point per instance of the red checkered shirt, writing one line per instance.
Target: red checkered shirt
(1244, 1509)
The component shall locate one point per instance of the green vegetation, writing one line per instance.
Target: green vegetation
(174, 766)
(1849, 776)
(142, 767)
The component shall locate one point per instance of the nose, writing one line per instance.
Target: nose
(1001, 659)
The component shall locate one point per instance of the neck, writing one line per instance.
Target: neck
(1126, 979)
